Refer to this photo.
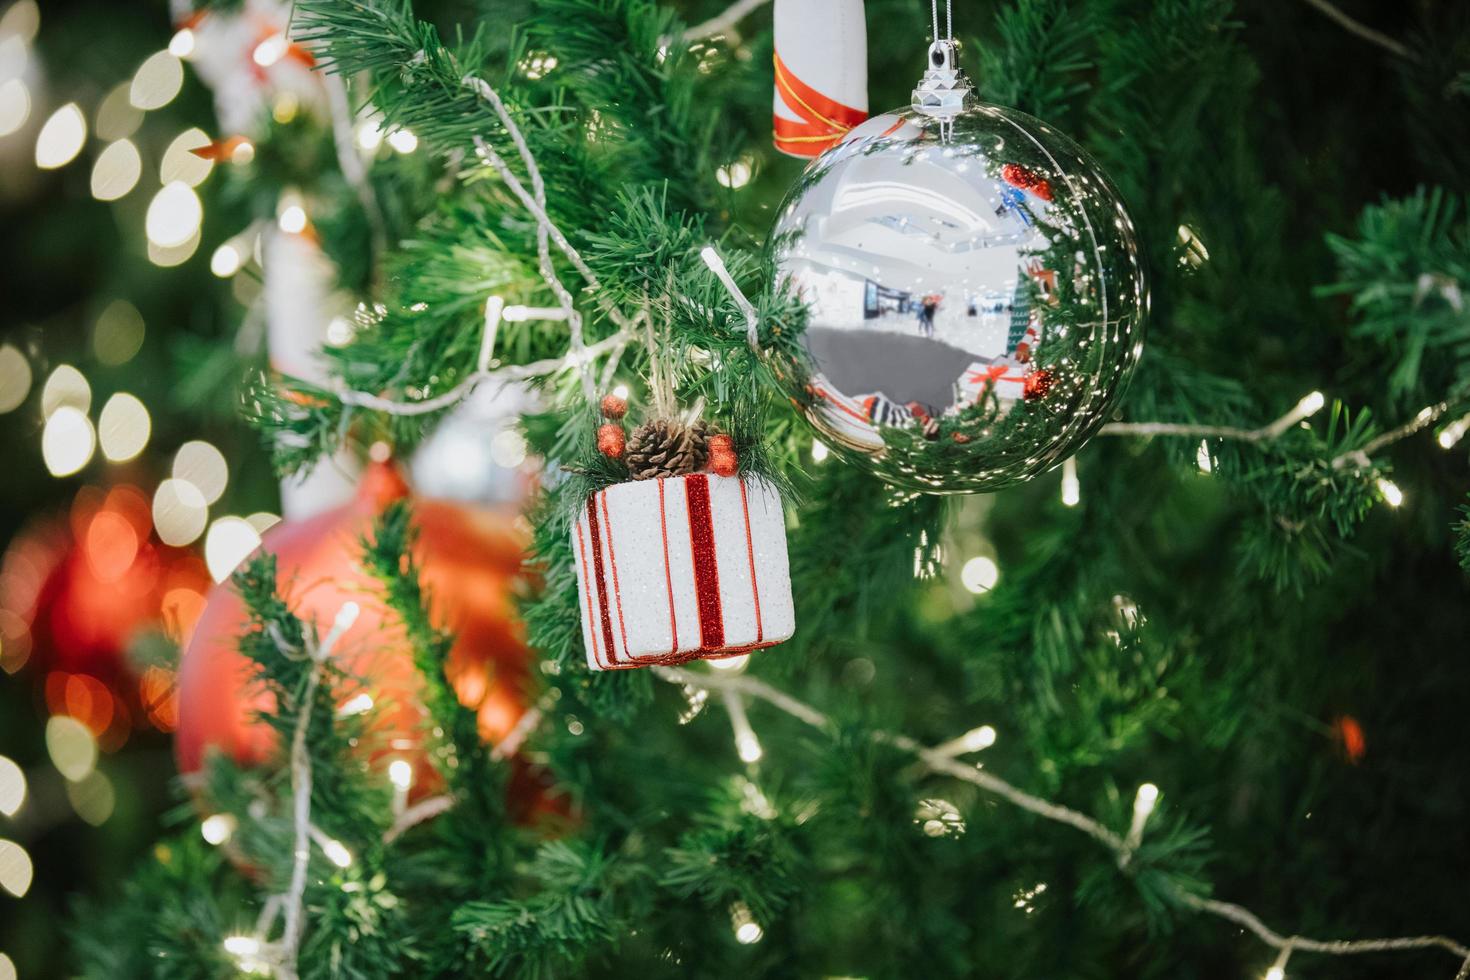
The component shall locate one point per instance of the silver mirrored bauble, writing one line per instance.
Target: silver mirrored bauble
(975, 292)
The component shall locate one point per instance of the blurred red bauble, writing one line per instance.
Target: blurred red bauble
(78, 592)
(470, 561)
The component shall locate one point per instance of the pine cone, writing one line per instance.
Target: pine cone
(664, 448)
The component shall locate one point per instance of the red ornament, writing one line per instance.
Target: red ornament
(1026, 179)
(611, 440)
(470, 561)
(1036, 385)
(614, 407)
(961, 438)
(78, 593)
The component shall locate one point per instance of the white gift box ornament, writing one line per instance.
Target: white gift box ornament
(674, 569)
(821, 73)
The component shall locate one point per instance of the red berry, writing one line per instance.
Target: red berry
(611, 441)
(614, 407)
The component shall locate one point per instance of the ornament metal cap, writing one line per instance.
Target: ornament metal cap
(942, 92)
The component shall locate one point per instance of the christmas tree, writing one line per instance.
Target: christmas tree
(1180, 697)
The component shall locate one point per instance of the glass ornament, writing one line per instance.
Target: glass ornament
(975, 293)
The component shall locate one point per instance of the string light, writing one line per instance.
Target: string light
(93, 798)
(1310, 404)
(1202, 457)
(117, 118)
(369, 135)
(1392, 495)
(1144, 802)
(400, 772)
(730, 665)
(242, 946)
(271, 50)
(1071, 486)
(7, 968)
(217, 828)
(819, 451)
(179, 512)
(337, 853)
(734, 175)
(118, 334)
(743, 924)
(292, 219)
(403, 140)
(978, 739)
(66, 387)
(980, 574)
(1454, 432)
(180, 162)
(356, 705)
(181, 45)
(226, 260)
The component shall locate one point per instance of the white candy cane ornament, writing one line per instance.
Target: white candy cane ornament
(821, 73)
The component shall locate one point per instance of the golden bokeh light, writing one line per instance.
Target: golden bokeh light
(180, 162)
(116, 171)
(118, 333)
(157, 81)
(67, 442)
(16, 870)
(179, 512)
(7, 968)
(204, 466)
(174, 215)
(61, 138)
(123, 427)
(263, 521)
(72, 747)
(15, 378)
(181, 45)
(229, 542)
(117, 117)
(66, 386)
(15, 106)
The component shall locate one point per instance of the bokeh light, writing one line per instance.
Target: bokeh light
(979, 574)
(93, 798)
(68, 441)
(118, 334)
(12, 787)
(15, 105)
(116, 171)
(66, 387)
(179, 512)
(123, 427)
(61, 137)
(117, 117)
(174, 215)
(180, 162)
(15, 378)
(157, 81)
(168, 257)
(226, 260)
(204, 466)
(72, 747)
(16, 870)
(229, 542)
(22, 19)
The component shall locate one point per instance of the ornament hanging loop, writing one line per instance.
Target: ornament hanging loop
(943, 91)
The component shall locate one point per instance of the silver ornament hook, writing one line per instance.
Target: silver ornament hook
(942, 92)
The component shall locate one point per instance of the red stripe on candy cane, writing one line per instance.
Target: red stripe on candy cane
(706, 568)
(663, 524)
(591, 617)
(592, 530)
(617, 589)
(755, 592)
(823, 122)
